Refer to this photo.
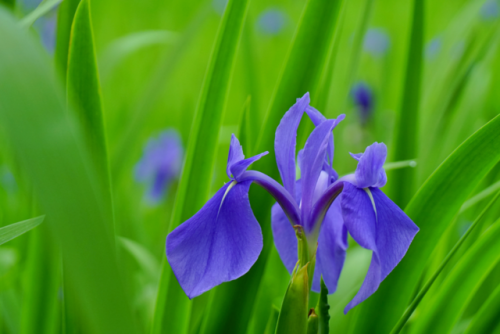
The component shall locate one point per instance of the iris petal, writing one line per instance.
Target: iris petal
(218, 244)
(285, 142)
(284, 237)
(313, 158)
(388, 232)
(370, 171)
(331, 252)
(235, 154)
(241, 166)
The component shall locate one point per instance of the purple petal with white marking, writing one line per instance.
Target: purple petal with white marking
(285, 142)
(387, 231)
(218, 244)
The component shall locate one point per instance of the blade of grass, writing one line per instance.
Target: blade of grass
(173, 306)
(480, 196)
(406, 139)
(302, 71)
(43, 8)
(9, 232)
(409, 311)
(432, 208)
(461, 284)
(51, 149)
(65, 16)
(84, 92)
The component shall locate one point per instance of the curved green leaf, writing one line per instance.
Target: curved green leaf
(487, 318)
(461, 284)
(65, 15)
(84, 93)
(52, 151)
(43, 8)
(173, 306)
(405, 141)
(12, 231)
(432, 208)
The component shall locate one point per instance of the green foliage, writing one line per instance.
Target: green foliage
(75, 119)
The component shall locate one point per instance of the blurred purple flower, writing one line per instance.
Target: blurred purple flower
(376, 42)
(433, 47)
(362, 96)
(223, 240)
(271, 21)
(160, 164)
(490, 10)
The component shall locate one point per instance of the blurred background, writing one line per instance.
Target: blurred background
(152, 57)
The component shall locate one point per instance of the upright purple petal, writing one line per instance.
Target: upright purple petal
(241, 166)
(284, 237)
(235, 154)
(313, 158)
(370, 171)
(285, 142)
(331, 252)
(386, 230)
(218, 244)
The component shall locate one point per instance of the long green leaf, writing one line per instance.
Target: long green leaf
(84, 92)
(306, 61)
(65, 16)
(461, 284)
(409, 311)
(406, 134)
(487, 318)
(9, 232)
(432, 208)
(173, 307)
(43, 8)
(52, 151)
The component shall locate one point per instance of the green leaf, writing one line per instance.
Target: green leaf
(144, 258)
(43, 8)
(65, 15)
(432, 209)
(322, 309)
(402, 181)
(272, 321)
(409, 311)
(293, 314)
(304, 66)
(173, 307)
(461, 284)
(487, 317)
(84, 93)
(51, 150)
(12, 231)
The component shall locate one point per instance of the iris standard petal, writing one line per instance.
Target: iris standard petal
(218, 244)
(284, 237)
(285, 142)
(235, 154)
(313, 158)
(388, 232)
(370, 171)
(331, 252)
(241, 166)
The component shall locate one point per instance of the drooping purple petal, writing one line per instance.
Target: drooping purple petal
(385, 229)
(331, 252)
(313, 158)
(235, 154)
(284, 237)
(370, 171)
(241, 166)
(218, 244)
(285, 142)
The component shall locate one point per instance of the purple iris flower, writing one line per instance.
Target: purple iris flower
(223, 240)
(161, 163)
(362, 96)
